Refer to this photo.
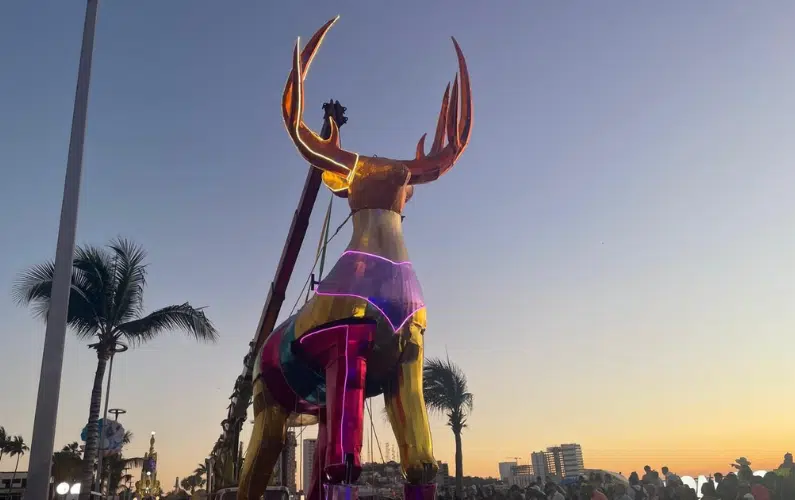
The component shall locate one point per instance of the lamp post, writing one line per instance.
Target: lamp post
(116, 412)
(43, 439)
(118, 347)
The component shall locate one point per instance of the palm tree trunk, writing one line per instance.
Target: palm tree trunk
(92, 430)
(14, 476)
(459, 467)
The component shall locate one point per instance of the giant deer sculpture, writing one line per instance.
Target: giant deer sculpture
(361, 334)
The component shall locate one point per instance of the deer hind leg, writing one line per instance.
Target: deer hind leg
(405, 405)
(266, 443)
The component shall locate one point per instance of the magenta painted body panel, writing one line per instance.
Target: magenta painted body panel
(340, 352)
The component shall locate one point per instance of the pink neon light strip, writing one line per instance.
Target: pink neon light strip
(344, 384)
(374, 305)
(344, 392)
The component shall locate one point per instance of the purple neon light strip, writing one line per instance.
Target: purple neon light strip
(344, 392)
(368, 254)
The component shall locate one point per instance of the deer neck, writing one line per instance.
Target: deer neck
(379, 232)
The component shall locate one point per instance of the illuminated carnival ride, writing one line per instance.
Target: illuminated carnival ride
(361, 334)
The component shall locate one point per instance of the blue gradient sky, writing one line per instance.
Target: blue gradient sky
(611, 261)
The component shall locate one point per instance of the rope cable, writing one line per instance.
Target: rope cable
(372, 425)
(319, 257)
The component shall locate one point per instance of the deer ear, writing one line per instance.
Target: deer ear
(337, 184)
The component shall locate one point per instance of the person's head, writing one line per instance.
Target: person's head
(633, 478)
(665, 470)
(708, 488)
(718, 477)
(770, 480)
(788, 458)
(745, 474)
(647, 469)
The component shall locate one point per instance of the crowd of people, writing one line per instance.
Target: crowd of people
(740, 484)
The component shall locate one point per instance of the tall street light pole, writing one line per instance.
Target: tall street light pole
(43, 439)
(118, 347)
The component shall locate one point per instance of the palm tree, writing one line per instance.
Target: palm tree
(200, 470)
(66, 464)
(445, 391)
(16, 447)
(114, 466)
(114, 470)
(190, 483)
(3, 442)
(106, 305)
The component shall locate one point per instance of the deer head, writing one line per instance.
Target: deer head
(375, 182)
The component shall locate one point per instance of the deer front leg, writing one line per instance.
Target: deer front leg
(405, 405)
(266, 443)
(341, 351)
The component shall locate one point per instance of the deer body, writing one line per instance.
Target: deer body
(361, 334)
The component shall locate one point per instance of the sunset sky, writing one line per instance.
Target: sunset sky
(612, 262)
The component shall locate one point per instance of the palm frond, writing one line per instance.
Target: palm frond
(445, 391)
(33, 287)
(130, 279)
(16, 446)
(133, 463)
(179, 317)
(96, 264)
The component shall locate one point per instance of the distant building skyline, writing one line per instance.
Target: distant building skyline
(506, 470)
(560, 461)
(538, 462)
(564, 460)
(443, 476)
(308, 459)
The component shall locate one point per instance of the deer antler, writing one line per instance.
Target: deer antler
(324, 154)
(455, 122)
(458, 126)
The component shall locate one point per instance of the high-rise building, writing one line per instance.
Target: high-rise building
(308, 460)
(573, 463)
(554, 459)
(521, 476)
(443, 477)
(506, 471)
(538, 463)
(287, 460)
(564, 460)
